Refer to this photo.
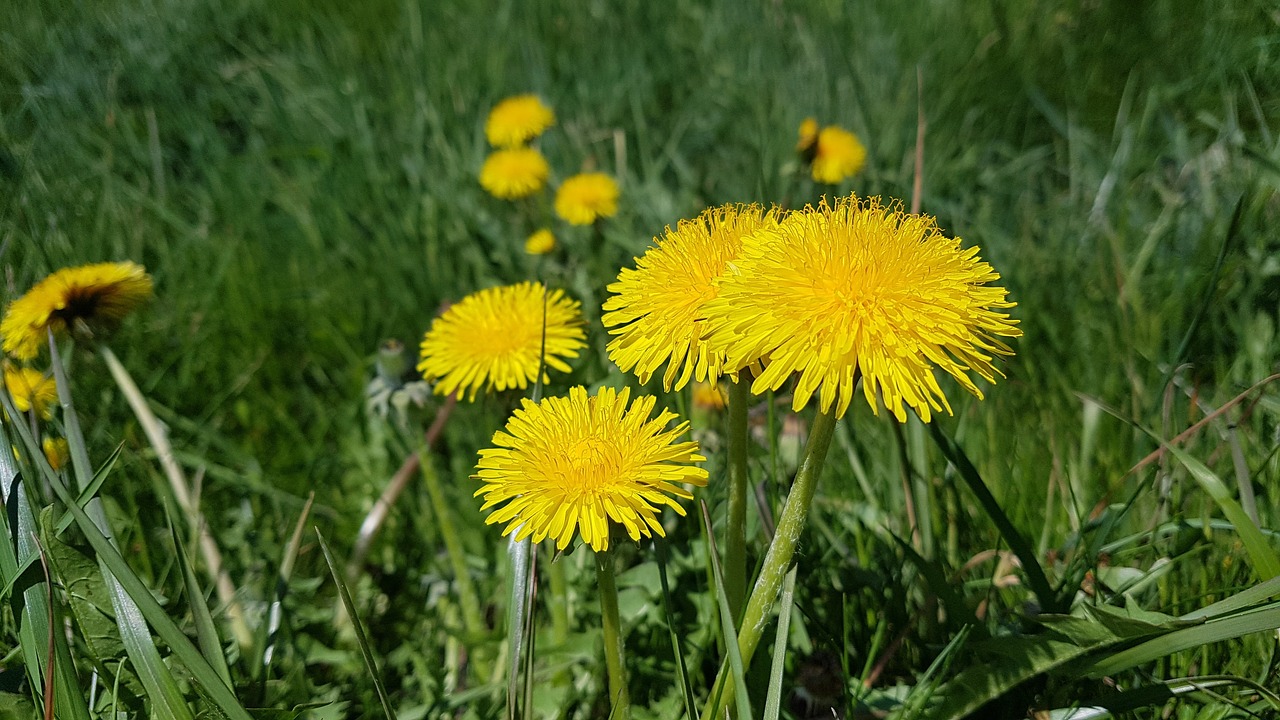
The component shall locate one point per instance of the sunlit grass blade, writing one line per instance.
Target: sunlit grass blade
(518, 554)
(1263, 619)
(737, 671)
(206, 632)
(682, 670)
(773, 700)
(361, 639)
(1242, 600)
(276, 614)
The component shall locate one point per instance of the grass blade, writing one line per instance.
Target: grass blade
(206, 631)
(726, 623)
(773, 700)
(682, 670)
(1262, 620)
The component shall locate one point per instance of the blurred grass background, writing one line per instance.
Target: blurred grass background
(300, 178)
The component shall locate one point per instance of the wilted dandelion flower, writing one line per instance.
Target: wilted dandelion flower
(90, 297)
(57, 452)
(656, 310)
(493, 339)
(838, 155)
(31, 390)
(517, 120)
(571, 465)
(515, 173)
(860, 289)
(540, 242)
(583, 198)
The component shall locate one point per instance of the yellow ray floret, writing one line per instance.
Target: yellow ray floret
(493, 339)
(580, 464)
(861, 290)
(94, 297)
(517, 120)
(31, 390)
(656, 309)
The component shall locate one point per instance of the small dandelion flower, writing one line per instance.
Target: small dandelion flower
(31, 390)
(839, 155)
(572, 465)
(493, 339)
(517, 120)
(708, 396)
(861, 290)
(655, 310)
(88, 297)
(583, 198)
(514, 174)
(540, 242)
(57, 452)
(807, 137)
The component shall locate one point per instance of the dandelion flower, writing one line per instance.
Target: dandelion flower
(584, 198)
(514, 174)
(861, 290)
(708, 396)
(655, 310)
(493, 338)
(31, 390)
(808, 136)
(540, 242)
(839, 155)
(92, 297)
(571, 465)
(517, 120)
(57, 452)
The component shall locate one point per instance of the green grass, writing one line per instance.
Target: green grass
(300, 179)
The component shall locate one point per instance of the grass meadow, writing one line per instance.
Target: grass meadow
(1096, 538)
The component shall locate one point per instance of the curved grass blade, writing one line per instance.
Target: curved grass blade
(275, 615)
(726, 623)
(361, 639)
(682, 670)
(518, 553)
(1264, 619)
(206, 631)
(773, 700)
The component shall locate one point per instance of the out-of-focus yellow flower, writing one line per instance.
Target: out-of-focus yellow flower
(31, 390)
(89, 298)
(583, 198)
(57, 452)
(708, 396)
(808, 136)
(514, 174)
(540, 242)
(517, 120)
(839, 155)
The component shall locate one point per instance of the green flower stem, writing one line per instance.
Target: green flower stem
(471, 618)
(612, 625)
(735, 544)
(778, 560)
(559, 603)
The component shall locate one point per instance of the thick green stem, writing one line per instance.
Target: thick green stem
(467, 597)
(559, 603)
(778, 560)
(612, 625)
(735, 543)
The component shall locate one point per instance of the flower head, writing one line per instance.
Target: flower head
(656, 310)
(493, 338)
(92, 297)
(517, 120)
(861, 290)
(807, 136)
(583, 198)
(540, 242)
(56, 451)
(838, 155)
(569, 465)
(708, 396)
(31, 390)
(515, 173)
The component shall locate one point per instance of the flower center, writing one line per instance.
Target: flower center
(590, 464)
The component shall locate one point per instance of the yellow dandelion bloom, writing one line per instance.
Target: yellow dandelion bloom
(583, 198)
(839, 155)
(540, 242)
(31, 390)
(57, 452)
(655, 310)
(517, 120)
(709, 396)
(807, 136)
(91, 297)
(493, 338)
(860, 290)
(569, 465)
(514, 174)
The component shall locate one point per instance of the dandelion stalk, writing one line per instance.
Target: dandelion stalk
(735, 553)
(778, 560)
(159, 440)
(611, 622)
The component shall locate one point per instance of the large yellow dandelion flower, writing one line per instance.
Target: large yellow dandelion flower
(514, 174)
(493, 339)
(658, 305)
(839, 155)
(517, 120)
(31, 390)
(91, 297)
(583, 198)
(569, 465)
(861, 290)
